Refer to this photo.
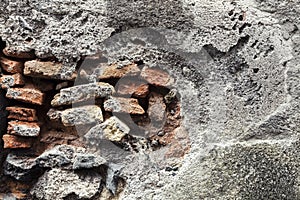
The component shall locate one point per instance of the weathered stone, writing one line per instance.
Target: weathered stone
(133, 88)
(42, 69)
(18, 53)
(20, 113)
(60, 184)
(60, 156)
(112, 129)
(157, 77)
(113, 173)
(26, 95)
(7, 81)
(22, 168)
(157, 109)
(11, 66)
(54, 114)
(123, 105)
(82, 115)
(80, 93)
(87, 160)
(117, 71)
(171, 96)
(16, 142)
(26, 129)
(61, 85)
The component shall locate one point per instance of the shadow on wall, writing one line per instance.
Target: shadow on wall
(124, 15)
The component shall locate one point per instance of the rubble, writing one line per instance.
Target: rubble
(80, 93)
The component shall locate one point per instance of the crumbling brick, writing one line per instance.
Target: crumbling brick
(117, 71)
(16, 142)
(157, 77)
(23, 114)
(8, 81)
(18, 53)
(26, 129)
(123, 105)
(27, 95)
(133, 88)
(11, 66)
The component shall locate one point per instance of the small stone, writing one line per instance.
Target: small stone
(23, 168)
(81, 93)
(26, 129)
(16, 142)
(7, 81)
(27, 95)
(62, 85)
(11, 66)
(170, 97)
(18, 53)
(40, 69)
(61, 184)
(115, 71)
(54, 114)
(157, 77)
(157, 109)
(20, 113)
(87, 161)
(133, 88)
(112, 129)
(123, 105)
(113, 172)
(82, 115)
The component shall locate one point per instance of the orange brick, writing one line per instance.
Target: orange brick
(27, 95)
(133, 88)
(16, 142)
(8, 81)
(123, 105)
(11, 66)
(115, 71)
(157, 77)
(23, 114)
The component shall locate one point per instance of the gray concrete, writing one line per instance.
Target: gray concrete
(237, 70)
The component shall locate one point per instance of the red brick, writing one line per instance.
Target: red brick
(11, 66)
(26, 129)
(23, 114)
(26, 95)
(8, 81)
(16, 142)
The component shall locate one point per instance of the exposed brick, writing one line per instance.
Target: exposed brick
(18, 53)
(123, 105)
(82, 115)
(16, 142)
(117, 71)
(11, 66)
(157, 77)
(80, 93)
(157, 110)
(26, 95)
(26, 129)
(23, 114)
(8, 81)
(51, 70)
(133, 88)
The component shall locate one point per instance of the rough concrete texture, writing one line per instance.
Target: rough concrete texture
(236, 68)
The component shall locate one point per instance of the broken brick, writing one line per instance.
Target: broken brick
(16, 142)
(11, 66)
(80, 93)
(117, 71)
(23, 114)
(157, 110)
(157, 77)
(27, 95)
(133, 88)
(18, 53)
(7, 81)
(26, 129)
(40, 69)
(123, 105)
